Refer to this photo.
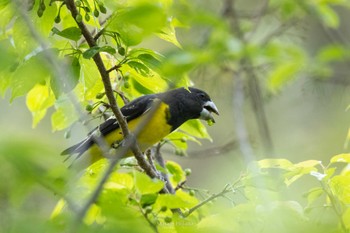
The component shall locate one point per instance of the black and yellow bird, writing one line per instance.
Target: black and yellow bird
(171, 110)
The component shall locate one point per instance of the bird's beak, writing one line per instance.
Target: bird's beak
(208, 108)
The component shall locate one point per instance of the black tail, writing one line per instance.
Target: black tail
(79, 148)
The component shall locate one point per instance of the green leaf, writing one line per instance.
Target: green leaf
(341, 158)
(282, 74)
(313, 194)
(136, 22)
(179, 139)
(145, 85)
(71, 33)
(331, 53)
(195, 128)
(89, 53)
(90, 81)
(120, 180)
(176, 172)
(31, 72)
(168, 33)
(139, 68)
(39, 99)
(346, 218)
(65, 114)
(7, 54)
(341, 188)
(329, 16)
(73, 69)
(148, 199)
(22, 38)
(275, 163)
(150, 61)
(179, 200)
(145, 185)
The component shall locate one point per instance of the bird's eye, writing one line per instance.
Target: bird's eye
(202, 96)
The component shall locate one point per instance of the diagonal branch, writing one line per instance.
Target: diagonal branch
(130, 139)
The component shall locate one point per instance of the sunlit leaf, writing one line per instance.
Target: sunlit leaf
(176, 172)
(64, 116)
(328, 15)
(195, 128)
(282, 74)
(145, 85)
(275, 163)
(313, 195)
(71, 33)
(136, 22)
(341, 158)
(331, 53)
(33, 71)
(39, 98)
(180, 200)
(341, 187)
(145, 185)
(168, 34)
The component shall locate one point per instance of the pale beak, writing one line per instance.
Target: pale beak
(208, 108)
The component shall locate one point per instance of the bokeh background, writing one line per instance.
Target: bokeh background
(307, 118)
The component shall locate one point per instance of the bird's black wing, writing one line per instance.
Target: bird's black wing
(130, 111)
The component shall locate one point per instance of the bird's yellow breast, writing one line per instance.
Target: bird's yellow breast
(155, 129)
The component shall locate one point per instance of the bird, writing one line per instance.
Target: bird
(170, 110)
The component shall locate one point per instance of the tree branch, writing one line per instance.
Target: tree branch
(129, 138)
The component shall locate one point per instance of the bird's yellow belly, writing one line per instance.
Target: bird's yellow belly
(153, 131)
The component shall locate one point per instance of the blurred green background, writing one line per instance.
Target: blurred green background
(307, 118)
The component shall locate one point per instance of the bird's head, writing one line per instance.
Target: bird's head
(208, 106)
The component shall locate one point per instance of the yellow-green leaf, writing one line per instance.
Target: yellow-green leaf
(195, 128)
(145, 185)
(64, 116)
(275, 163)
(341, 158)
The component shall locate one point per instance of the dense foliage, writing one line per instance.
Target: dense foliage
(47, 57)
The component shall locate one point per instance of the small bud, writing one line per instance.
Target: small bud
(183, 139)
(40, 12)
(148, 209)
(89, 108)
(57, 19)
(121, 51)
(87, 17)
(163, 209)
(96, 13)
(192, 192)
(179, 152)
(188, 171)
(168, 219)
(103, 9)
(78, 3)
(126, 84)
(79, 18)
(67, 134)
(100, 95)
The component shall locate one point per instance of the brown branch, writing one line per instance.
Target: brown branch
(129, 138)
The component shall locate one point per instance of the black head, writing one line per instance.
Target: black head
(186, 104)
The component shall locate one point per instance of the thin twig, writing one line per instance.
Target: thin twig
(159, 158)
(226, 189)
